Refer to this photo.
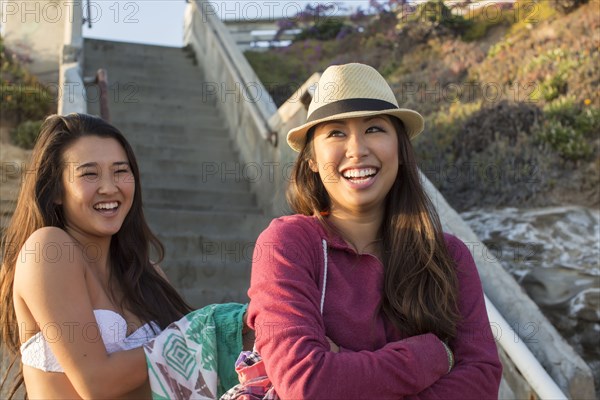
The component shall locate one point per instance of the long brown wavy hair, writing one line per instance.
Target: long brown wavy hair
(420, 284)
(144, 291)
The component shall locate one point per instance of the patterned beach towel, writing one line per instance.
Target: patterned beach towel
(194, 358)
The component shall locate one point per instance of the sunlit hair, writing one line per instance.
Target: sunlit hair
(420, 284)
(142, 290)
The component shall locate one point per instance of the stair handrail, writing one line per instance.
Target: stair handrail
(566, 368)
(102, 82)
(89, 14)
(261, 109)
(529, 366)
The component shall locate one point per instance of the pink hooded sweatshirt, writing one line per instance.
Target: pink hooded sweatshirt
(307, 284)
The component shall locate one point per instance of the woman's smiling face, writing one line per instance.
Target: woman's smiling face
(98, 187)
(357, 160)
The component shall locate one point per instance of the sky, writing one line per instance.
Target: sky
(160, 22)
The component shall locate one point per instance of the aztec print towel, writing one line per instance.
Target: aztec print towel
(194, 358)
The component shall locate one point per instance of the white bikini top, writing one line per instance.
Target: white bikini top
(36, 351)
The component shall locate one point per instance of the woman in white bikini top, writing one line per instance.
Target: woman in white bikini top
(78, 292)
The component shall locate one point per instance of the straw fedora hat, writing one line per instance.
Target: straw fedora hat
(351, 91)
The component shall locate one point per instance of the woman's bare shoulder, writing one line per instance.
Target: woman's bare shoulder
(48, 251)
(49, 234)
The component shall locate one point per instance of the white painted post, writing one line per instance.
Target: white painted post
(72, 97)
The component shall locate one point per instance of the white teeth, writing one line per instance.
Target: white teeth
(359, 173)
(106, 206)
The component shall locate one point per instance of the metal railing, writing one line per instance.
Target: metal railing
(88, 19)
(102, 82)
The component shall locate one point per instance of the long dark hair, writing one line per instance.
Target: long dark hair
(420, 284)
(142, 290)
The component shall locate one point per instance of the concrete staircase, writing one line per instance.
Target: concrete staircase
(196, 197)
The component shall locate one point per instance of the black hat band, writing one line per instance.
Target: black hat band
(350, 105)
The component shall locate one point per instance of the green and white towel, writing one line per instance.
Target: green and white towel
(194, 358)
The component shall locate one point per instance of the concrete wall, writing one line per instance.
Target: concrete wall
(35, 29)
(48, 35)
(242, 98)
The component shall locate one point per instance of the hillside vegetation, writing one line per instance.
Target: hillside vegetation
(25, 101)
(509, 91)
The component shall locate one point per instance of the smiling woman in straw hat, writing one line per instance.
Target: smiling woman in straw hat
(361, 294)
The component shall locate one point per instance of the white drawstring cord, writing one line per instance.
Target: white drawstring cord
(324, 275)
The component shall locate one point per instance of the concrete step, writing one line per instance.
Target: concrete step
(169, 98)
(174, 99)
(153, 81)
(155, 102)
(133, 92)
(214, 183)
(179, 140)
(139, 115)
(181, 268)
(175, 72)
(118, 48)
(231, 169)
(205, 157)
(204, 207)
(140, 111)
(158, 197)
(195, 274)
(152, 86)
(223, 293)
(210, 249)
(177, 109)
(122, 64)
(6, 216)
(168, 127)
(152, 136)
(198, 106)
(212, 224)
(169, 74)
(7, 206)
(147, 56)
(188, 143)
(184, 83)
(208, 144)
(209, 277)
(4, 221)
(147, 67)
